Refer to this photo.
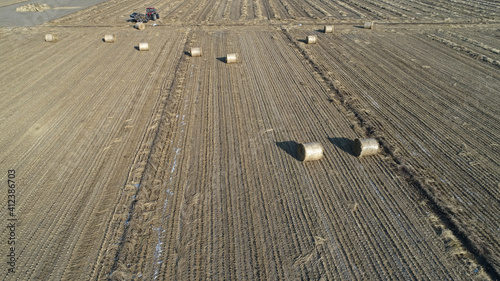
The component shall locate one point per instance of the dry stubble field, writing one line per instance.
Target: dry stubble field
(158, 165)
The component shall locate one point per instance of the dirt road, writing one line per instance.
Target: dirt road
(158, 165)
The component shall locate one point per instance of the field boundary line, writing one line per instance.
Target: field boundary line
(158, 114)
(169, 90)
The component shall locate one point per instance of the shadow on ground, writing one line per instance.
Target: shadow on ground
(289, 147)
(344, 144)
(222, 59)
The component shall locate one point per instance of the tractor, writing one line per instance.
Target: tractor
(151, 14)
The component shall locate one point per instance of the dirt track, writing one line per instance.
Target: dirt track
(160, 165)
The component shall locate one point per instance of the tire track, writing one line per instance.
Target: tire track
(135, 219)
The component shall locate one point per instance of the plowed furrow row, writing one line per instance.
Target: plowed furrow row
(472, 47)
(63, 92)
(481, 38)
(235, 11)
(269, 196)
(337, 10)
(293, 224)
(403, 9)
(50, 53)
(307, 11)
(287, 189)
(153, 193)
(283, 193)
(429, 107)
(219, 10)
(473, 8)
(156, 165)
(351, 9)
(186, 11)
(253, 9)
(246, 11)
(364, 8)
(431, 10)
(48, 134)
(364, 94)
(200, 12)
(168, 10)
(228, 7)
(467, 118)
(117, 13)
(384, 11)
(167, 52)
(445, 9)
(322, 8)
(140, 206)
(370, 102)
(78, 141)
(194, 217)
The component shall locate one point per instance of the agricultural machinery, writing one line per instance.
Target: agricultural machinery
(151, 14)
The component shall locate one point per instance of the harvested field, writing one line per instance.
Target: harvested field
(244, 12)
(160, 165)
(425, 118)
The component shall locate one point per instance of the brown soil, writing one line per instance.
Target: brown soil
(159, 165)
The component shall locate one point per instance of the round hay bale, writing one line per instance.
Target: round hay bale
(110, 38)
(311, 39)
(366, 147)
(143, 46)
(196, 52)
(51, 38)
(140, 26)
(231, 58)
(369, 25)
(310, 151)
(328, 29)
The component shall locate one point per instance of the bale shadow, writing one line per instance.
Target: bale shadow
(302, 40)
(344, 144)
(222, 59)
(187, 53)
(320, 30)
(289, 147)
(137, 48)
(360, 26)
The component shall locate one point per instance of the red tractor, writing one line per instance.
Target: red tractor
(151, 14)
